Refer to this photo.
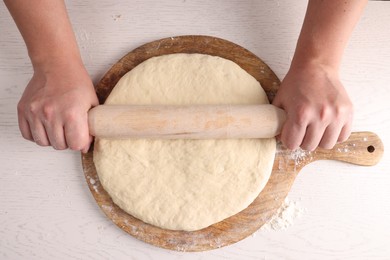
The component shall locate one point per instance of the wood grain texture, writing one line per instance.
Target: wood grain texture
(361, 148)
(186, 122)
(48, 212)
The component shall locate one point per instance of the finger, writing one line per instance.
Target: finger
(312, 137)
(277, 103)
(345, 133)
(292, 134)
(85, 150)
(24, 128)
(39, 133)
(77, 134)
(331, 134)
(55, 133)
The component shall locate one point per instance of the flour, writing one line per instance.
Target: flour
(107, 208)
(343, 150)
(347, 148)
(92, 181)
(94, 184)
(285, 216)
(299, 155)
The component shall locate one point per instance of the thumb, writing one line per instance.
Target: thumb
(277, 102)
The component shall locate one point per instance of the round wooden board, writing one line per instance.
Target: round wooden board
(286, 165)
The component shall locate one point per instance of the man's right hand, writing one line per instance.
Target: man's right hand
(53, 109)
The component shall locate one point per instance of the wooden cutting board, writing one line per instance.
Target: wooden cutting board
(362, 148)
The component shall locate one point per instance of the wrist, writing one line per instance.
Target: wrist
(62, 74)
(51, 57)
(55, 62)
(313, 60)
(308, 65)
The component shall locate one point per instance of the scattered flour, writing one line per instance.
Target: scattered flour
(299, 155)
(285, 216)
(347, 148)
(94, 184)
(343, 150)
(95, 187)
(107, 208)
(92, 181)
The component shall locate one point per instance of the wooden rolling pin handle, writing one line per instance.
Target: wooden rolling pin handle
(186, 122)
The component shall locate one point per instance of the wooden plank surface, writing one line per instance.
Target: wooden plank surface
(47, 211)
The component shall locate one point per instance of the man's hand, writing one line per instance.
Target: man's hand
(319, 112)
(53, 108)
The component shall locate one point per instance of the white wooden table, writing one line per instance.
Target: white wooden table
(47, 211)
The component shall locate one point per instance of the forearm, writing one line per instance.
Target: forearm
(53, 109)
(325, 32)
(45, 27)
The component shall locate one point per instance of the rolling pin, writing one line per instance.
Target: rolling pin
(186, 122)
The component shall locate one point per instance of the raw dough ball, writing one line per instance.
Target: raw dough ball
(185, 184)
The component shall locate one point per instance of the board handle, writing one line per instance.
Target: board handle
(361, 148)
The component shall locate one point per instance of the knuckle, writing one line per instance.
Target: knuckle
(20, 108)
(303, 115)
(326, 113)
(33, 108)
(341, 111)
(70, 116)
(48, 111)
(344, 112)
(349, 113)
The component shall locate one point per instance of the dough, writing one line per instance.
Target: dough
(185, 184)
